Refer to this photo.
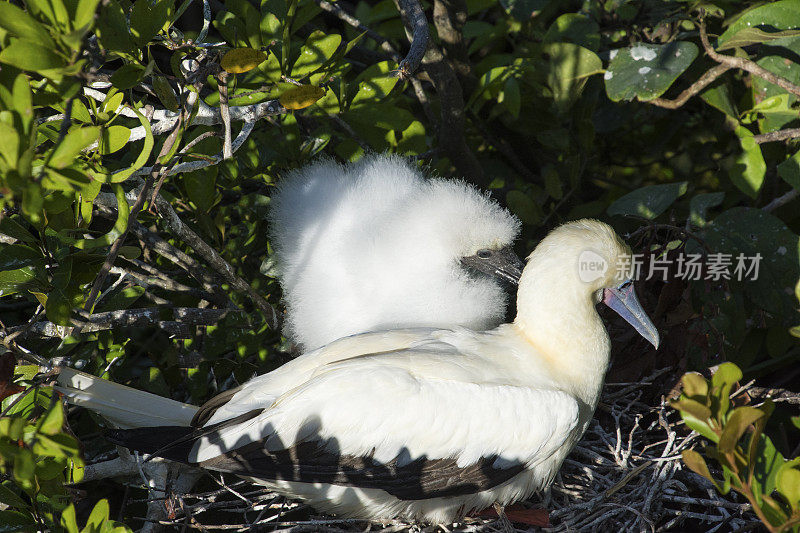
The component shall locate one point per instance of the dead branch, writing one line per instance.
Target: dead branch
(414, 18)
(704, 81)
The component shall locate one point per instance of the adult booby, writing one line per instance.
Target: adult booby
(375, 245)
(453, 422)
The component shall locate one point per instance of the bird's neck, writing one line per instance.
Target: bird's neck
(557, 316)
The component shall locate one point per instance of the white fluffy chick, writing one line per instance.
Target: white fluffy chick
(375, 245)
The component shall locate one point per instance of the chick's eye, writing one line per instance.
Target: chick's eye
(484, 254)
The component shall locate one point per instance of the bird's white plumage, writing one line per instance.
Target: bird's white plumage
(523, 392)
(375, 245)
(520, 395)
(123, 406)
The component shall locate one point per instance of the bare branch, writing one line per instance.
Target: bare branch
(780, 201)
(414, 17)
(180, 230)
(355, 23)
(704, 81)
(780, 135)
(227, 151)
(746, 65)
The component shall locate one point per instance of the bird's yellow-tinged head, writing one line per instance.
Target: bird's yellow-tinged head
(582, 262)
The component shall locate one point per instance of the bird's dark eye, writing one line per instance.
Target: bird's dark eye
(484, 254)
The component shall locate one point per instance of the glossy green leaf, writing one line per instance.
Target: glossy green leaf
(10, 498)
(646, 71)
(694, 385)
(147, 147)
(99, 516)
(112, 27)
(76, 140)
(576, 28)
(749, 36)
(128, 75)
(736, 425)
(148, 18)
(698, 465)
(524, 207)
(789, 170)
(749, 170)
(568, 68)
(317, 49)
(649, 201)
(773, 16)
(788, 482)
(751, 233)
(53, 420)
(700, 204)
(28, 55)
(84, 12)
(113, 138)
(19, 23)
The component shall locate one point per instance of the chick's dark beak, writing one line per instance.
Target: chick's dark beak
(502, 263)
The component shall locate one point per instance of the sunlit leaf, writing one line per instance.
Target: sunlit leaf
(241, 60)
(300, 97)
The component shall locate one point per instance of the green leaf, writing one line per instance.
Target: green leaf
(373, 89)
(121, 224)
(751, 232)
(788, 482)
(316, 51)
(10, 498)
(768, 463)
(696, 416)
(524, 207)
(511, 97)
(646, 71)
(694, 385)
(774, 16)
(568, 68)
(128, 75)
(98, 517)
(649, 201)
(789, 170)
(700, 204)
(58, 307)
(68, 520)
(28, 55)
(53, 421)
(523, 9)
(112, 26)
(576, 28)
(17, 256)
(749, 170)
(735, 426)
(241, 60)
(113, 138)
(9, 144)
(10, 227)
(19, 23)
(84, 12)
(698, 465)
(73, 143)
(148, 18)
(749, 36)
(149, 142)
(164, 92)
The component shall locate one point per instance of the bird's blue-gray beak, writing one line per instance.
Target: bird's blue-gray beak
(623, 300)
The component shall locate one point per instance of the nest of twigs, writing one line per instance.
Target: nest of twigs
(625, 475)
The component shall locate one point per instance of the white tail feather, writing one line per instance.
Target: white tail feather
(123, 406)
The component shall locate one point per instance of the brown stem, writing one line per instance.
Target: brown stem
(704, 81)
(780, 135)
(746, 65)
(449, 17)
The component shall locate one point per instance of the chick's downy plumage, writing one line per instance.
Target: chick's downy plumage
(375, 245)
